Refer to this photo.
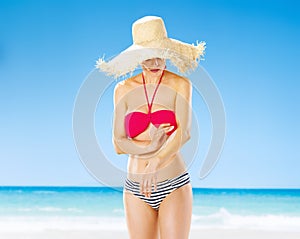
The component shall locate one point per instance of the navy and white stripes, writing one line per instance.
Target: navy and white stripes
(164, 188)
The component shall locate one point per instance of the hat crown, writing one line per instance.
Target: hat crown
(149, 28)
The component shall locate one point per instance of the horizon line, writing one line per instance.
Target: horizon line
(112, 187)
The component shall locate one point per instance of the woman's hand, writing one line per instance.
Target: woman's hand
(149, 177)
(158, 139)
(159, 135)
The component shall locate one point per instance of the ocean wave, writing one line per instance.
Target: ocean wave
(224, 219)
(44, 192)
(58, 209)
(38, 223)
(71, 209)
(50, 209)
(118, 211)
(24, 209)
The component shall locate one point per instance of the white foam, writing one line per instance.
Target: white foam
(25, 209)
(50, 209)
(118, 210)
(224, 219)
(44, 192)
(12, 224)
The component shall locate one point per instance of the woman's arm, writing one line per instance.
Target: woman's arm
(176, 140)
(122, 144)
(184, 117)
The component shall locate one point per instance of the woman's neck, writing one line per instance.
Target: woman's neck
(151, 78)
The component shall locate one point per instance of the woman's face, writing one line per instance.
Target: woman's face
(154, 65)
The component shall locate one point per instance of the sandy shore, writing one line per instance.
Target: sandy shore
(122, 234)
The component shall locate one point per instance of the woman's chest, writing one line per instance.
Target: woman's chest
(140, 100)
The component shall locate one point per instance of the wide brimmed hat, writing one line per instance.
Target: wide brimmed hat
(150, 40)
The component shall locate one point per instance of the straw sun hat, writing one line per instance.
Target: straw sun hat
(150, 40)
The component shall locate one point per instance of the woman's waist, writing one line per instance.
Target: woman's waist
(169, 169)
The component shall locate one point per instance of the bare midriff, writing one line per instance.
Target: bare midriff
(170, 168)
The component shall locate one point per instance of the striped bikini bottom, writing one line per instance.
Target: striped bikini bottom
(164, 188)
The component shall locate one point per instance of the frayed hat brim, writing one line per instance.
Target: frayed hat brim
(183, 56)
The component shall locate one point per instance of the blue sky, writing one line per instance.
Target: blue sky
(47, 48)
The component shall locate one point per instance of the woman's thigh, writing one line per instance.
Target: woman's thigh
(175, 213)
(142, 220)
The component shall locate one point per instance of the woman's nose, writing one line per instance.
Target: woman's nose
(156, 62)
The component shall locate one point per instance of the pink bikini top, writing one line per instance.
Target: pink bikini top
(137, 122)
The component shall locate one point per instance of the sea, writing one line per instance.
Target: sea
(94, 208)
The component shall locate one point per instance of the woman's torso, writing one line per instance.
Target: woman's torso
(165, 99)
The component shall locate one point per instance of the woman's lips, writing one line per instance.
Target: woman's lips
(154, 70)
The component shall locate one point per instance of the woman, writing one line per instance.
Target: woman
(152, 120)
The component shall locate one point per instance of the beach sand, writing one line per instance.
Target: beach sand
(122, 234)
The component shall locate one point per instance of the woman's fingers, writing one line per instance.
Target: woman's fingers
(146, 185)
(161, 131)
(166, 127)
(163, 126)
(169, 129)
(142, 187)
(154, 183)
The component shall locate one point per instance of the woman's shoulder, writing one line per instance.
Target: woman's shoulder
(129, 82)
(177, 81)
(126, 85)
